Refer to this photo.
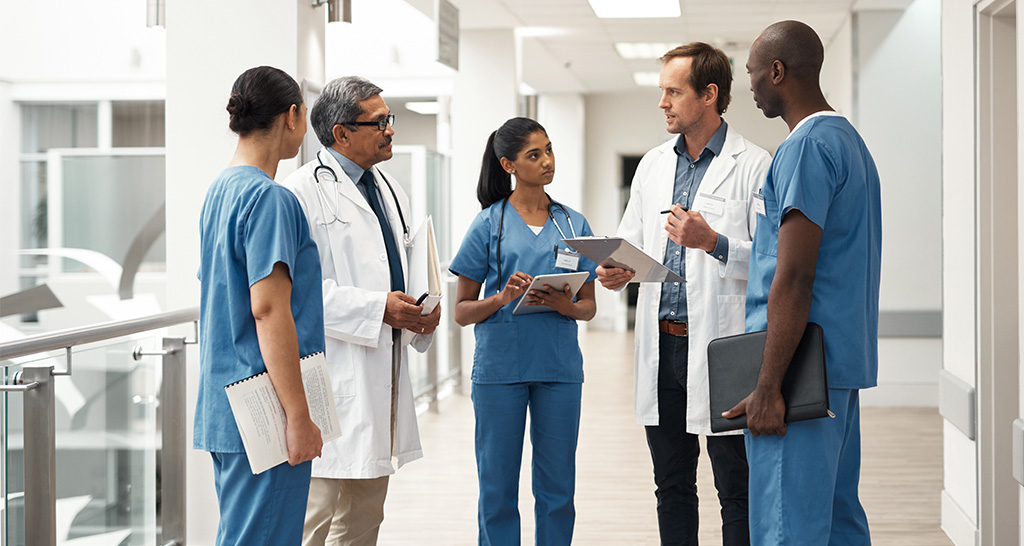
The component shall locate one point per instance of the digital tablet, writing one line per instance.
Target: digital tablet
(555, 281)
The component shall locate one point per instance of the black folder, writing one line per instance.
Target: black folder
(735, 361)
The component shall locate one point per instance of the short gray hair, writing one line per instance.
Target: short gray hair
(338, 102)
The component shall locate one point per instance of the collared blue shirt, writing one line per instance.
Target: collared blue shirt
(689, 173)
(355, 173)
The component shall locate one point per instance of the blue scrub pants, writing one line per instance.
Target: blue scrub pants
(265, 509)
(803, 486)
(554, 429)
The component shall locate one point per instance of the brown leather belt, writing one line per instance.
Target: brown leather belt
(676, 328)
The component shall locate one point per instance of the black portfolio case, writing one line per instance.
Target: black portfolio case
(735, 361)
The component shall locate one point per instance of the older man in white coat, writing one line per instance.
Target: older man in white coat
(708, 175)
(359, 218)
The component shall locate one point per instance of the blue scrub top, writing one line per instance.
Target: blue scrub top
(824, 170)
(248, 224)
(521, 348)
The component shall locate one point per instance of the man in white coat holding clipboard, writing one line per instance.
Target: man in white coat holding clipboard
(358, 217)
(705, 177)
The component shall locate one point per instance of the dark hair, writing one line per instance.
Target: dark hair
(258, 96)
(495, 184)
(709, 66)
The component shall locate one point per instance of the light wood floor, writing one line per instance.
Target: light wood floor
(432, 502)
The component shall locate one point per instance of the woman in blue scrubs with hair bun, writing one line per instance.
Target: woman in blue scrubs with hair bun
(530, 361)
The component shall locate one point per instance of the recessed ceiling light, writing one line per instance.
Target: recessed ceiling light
(647, 79)
(643, 50)
(423, 107)
(621, 9)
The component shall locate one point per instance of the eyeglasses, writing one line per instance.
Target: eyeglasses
(381, 124)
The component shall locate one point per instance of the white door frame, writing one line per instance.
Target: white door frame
(998, 306)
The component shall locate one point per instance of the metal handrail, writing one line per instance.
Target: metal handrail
(36, 382)
(64, 339)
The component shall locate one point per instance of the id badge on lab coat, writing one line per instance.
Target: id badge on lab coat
(567, 259)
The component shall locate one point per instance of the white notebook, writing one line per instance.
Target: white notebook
(424, 271)
(261, 419)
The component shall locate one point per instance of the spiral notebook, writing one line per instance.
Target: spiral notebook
(261, 419)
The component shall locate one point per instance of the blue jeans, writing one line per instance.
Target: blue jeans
(803, 486)
(675, 452)
(500, 428)
(266, 509)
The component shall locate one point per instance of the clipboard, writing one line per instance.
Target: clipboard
(618, 252)
(574, 280)
(735, 361)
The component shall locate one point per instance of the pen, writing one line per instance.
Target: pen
(666, 211)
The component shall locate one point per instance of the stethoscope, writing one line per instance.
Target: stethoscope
(551, 203)
(325, 169)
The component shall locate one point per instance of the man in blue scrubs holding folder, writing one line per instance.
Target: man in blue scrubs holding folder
(816, 258)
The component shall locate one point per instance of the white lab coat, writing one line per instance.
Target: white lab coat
(715, 292)
(356, 282)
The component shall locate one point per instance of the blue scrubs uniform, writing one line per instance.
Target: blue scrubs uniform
(803, 486)
(247, 225)
(524, 362)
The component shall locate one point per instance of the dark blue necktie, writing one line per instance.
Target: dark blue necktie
(369, 189)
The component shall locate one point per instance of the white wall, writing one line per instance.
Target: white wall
(287, 35)
(896, 65)
(959, 496)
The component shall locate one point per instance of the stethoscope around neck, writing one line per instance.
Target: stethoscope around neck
(551, 203)
(324, 201)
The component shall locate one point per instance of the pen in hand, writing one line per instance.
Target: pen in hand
(667, 211)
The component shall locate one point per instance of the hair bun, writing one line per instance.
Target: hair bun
(238, 105)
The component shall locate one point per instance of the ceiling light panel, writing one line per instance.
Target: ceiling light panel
(646, 79)
(643, 50)
(635, 9)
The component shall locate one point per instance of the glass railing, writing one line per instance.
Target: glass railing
(93, 445)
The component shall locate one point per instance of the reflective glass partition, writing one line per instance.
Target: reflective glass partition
(108, 441)
(424, 175)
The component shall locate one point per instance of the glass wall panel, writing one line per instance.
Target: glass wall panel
(106, 202)
(45, 126)
(138, 124)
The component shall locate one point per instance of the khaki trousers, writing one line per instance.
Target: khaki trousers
(344, 512)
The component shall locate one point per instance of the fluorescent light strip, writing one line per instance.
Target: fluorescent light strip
(643, 50)
(647, 79)
(632, 9)
(423, 107)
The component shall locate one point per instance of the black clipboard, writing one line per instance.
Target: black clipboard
(735, 361)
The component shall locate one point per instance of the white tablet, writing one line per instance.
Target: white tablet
(556, 281)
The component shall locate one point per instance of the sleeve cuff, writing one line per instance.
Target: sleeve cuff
(721, 252)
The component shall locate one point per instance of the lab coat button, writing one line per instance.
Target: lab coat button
(383, 257)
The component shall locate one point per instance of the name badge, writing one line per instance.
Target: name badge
(711, 204)
(759, 204)
(566, 259)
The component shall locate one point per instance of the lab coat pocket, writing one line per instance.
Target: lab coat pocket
(343, 362)
(731, 314)
(497, 355)
(733, 222)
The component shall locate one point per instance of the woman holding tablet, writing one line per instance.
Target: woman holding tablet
(523, 361)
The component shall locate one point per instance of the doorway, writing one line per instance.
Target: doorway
(998, 275)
